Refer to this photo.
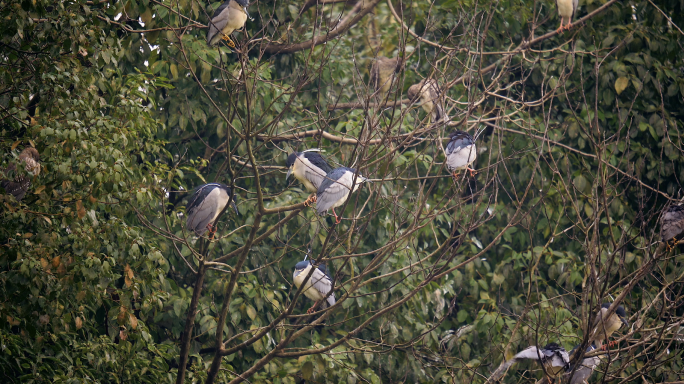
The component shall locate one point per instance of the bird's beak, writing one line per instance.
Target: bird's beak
(624, 321)
(289, 172)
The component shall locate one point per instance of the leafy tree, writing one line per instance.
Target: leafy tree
(437, 279)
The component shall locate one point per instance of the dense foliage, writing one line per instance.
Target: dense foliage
(438, 279)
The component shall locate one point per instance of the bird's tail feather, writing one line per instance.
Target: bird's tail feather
(501, 371)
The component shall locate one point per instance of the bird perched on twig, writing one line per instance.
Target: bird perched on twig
(19, 186)
(428, 95)
(317, 286)
(230, 16)
(205, 206)
(672, 225)
(566, 11)
(383, 75)
(309, 167)
(460, 153)
(337, 185)
(553, 357)
(603, 329)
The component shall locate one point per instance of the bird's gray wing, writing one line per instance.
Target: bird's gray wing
(584, 371)
(322, 283)
(312, 175)
(200, 216)
(672, 224)
(218, 21)
(528, 353)
(330, 191)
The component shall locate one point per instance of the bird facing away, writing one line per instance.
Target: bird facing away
(309, 167)
(427, 95)
(553, 357)
(672, 224)
(602, 330)
(21, 183)
(317, 286)
(566, 11)
(460, 153)
(205, 206)
(335, 188)
(227, 18)
(383, 75)
(586, 367)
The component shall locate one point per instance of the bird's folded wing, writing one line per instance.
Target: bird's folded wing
(322, 283)
(330, 192)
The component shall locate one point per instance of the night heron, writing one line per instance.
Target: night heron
(230, 16)
(428, 95)
(602, 329)
(337, 185)
(460, 153)
(205, 206)
(317, 286)
(310, 168)
(19, 185)
(672, 225)
(566, 11)
(383, 75)
(553, 357)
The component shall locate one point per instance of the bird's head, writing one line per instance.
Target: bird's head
(619, 312)
(302, 265)
(290, 164)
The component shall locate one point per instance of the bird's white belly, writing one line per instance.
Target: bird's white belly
(308, 290)
(221, 197)
(298, 170)
(462, 158)
(564, 8)
(236, 20)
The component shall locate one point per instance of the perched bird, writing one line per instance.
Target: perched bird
(227, 18)
(427, 94)
(553, 357)
(566, 11)
(460, 153)
(672, 224)
(21, 183)
(317, 286)
(205, 206)
(309, 167)
(335, 188)
(601, 330)
(581, 373)
(383, 75)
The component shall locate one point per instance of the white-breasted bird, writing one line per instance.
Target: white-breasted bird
(428, 95)
(460, 153)
(230, 16)
(336, 188)
(19, 185)
(566, 11)
(317, 286)
(672, 224)
(310, 168)
(552, 356)
(205, 206)
(603, 327)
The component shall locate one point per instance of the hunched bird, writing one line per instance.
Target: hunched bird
(672, 225)
(310, 168)
(205, 206)
(19, 186)
(230, 16)
(428, 96)
(603, 329)
(336, 188)
(317, 286)
(460, 153)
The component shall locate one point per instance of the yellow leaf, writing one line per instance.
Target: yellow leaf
(27, 235)
(251, 312)
(79, 322)
(44, 263)
(15, 144)
(133, 320)
(47, 219)
(39, 190)
(621, 84)
(55, 261)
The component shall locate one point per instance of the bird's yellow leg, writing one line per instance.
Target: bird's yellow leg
(229, 41)
(560, 29)
(310, 200)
